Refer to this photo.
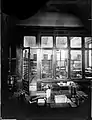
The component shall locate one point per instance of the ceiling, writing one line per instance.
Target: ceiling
(22, 9)
(54, 19)
(25, 9)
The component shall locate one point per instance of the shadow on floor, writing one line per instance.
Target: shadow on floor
(23, 111)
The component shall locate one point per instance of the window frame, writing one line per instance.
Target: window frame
(86, 49)
(69, 48)
(76, 47)
(56, 42)
(70, 63)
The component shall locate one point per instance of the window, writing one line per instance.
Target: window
(46, 42)
(61, 42)
(33, 54)
(75, 42)
(25, 53)
(49, 62)
(33, 62)
(88, 57)
(88, 42)
(76, 64)
(88, 63)
(25, 65)
(31, 67)
(61, 63)
(29, 41)
(46, 64)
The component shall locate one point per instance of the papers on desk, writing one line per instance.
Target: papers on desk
(41, 102)
(68, 83)
(60, 99)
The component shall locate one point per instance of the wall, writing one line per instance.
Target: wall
(0, 58)
(8, 37)
(19, 62)
(52, 19)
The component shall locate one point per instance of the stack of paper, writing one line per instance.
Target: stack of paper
(60, 99)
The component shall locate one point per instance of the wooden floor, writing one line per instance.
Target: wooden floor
(23, 111)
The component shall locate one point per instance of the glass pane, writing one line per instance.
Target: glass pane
(75, 42)
(88, 63)
(61, 42)
(58, 54)
(76, 64)
(29, 68)
(33, 62)
(25, 53)
(46, 41)
(64, 54)
(29, 41)
(46, 64)
(61, 64)
(25, 64)
(88, 42)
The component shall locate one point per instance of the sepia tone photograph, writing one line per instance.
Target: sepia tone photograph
(46, 60)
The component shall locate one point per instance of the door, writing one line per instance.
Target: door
(26, 69)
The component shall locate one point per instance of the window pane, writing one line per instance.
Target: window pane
(61, 64)
(88, 63)
(75, 42)
(64, 54)
(46, 64)
(33, 54)
(46, 41)
(76, 64)
(58, 54)
(25, 64)
(29, 41)
(88, 42)
(25, 53)
(33, 62)
(32, 68)
(61, 42)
